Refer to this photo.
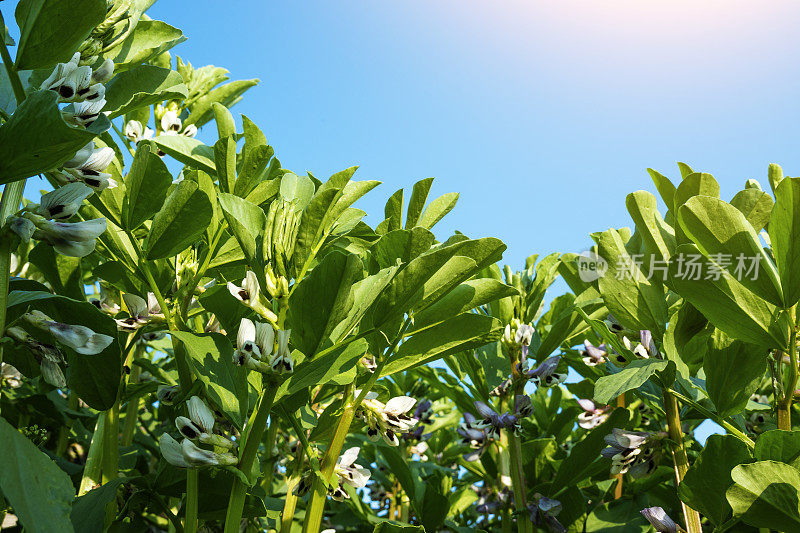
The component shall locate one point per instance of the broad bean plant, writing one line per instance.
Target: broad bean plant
(194, 338)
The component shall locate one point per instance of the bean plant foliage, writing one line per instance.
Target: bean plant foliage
(193, 337)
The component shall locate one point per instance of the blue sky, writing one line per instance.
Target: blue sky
(543, 115)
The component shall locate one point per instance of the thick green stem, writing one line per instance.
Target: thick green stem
(192, 490)
(681, 460)
(252, 439)
(518, 484)
(290, 503)
(92, 468)
(269, 444)
(319, 491)
(131, 410)
(785, 405)
(111, 444)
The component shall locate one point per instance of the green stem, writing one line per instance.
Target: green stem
(123, 139)
(254, 434)
(785, 406)
(269, 444)
(132, 409)
(319, 491)
(727, 426)
(92, 468)
(518, 484)
(192, 490)
(111, 444)
(290, 503)
(63, 433)
(681, 460)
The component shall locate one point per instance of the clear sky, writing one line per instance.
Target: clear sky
(542, 114)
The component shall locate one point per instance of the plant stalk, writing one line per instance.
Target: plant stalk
(255, 433)
(681, 460)
(92, 468)
(192, 490)
(785, 405)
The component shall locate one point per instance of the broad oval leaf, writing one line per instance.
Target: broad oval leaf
(180, 221)
(766, 494)
(784, 233)
(39, 491)
(142, 86)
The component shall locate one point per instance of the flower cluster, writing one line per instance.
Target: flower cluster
(545, 375)
(249, 293)
(140, 312)
(255, 348)
(629, 452)
(388, 420)
(199, 426)
(493, 422)
(346, 472)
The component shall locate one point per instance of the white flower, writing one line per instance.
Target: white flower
(81, 156)
(87, 230)
(63, 202)
(524, 335)
(140, 311)
(86, 112)
(249, 290)
(134, 130)
(282, 361)
(196, 456)
(94, 93)
(592, 416)
(58, 79)
(247, 352)
(172, 451)
(200, 414)
(386, 421)
(170, 122)
(659, 519)
(80, 338)
(189, 131)
(347, 472)
(90, 169)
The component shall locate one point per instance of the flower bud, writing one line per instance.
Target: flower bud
(104, 72)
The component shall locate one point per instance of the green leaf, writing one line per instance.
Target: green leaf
(142, 86)
(52, 30)
(148, 39)
(39, 491)
(666, 189)
(201, 111)
(188, 151)
(246, 221)
(325, 367)
(631, 377)
(779, 445)
(94, 378)
(89, 511)
(466, 331)
(658, 236)
(576, 465)
(634, 300)
(399, 467)
(765, 494)
(416, 204)
(730, 306)
(693, 184)
(463, 298)
(147, 185)
(734, 370)
(755, 205)
(36, 139)
(784, 233)
(211, 358)
(723, 234)
(704, 486)
(437, 209)
(180, 222)
(619, 516)
(62, 272)
(322, 300)
(256, 154)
